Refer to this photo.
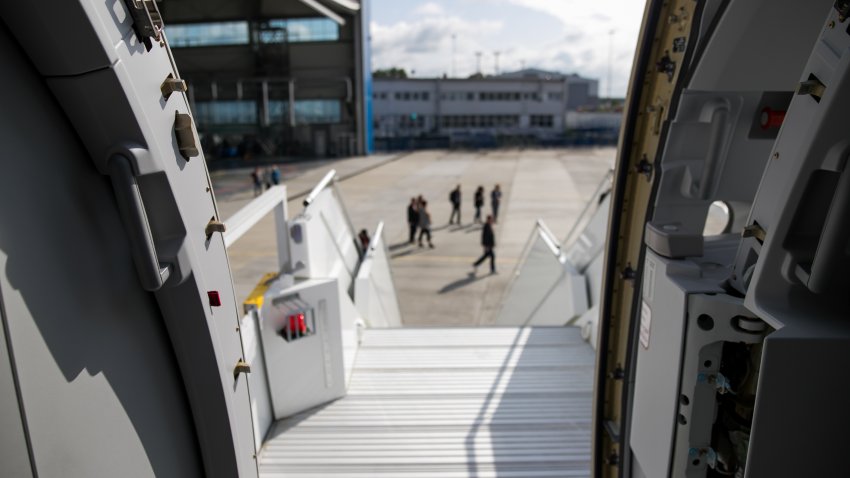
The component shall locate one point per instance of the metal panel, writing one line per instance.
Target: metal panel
(308, 371)
(100, 389)
(657, 376)
(14, 445)
(461, 402)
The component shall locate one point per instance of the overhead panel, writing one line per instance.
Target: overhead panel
(321, 8)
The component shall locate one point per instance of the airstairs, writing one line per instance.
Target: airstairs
(447, 403)
(340, 388)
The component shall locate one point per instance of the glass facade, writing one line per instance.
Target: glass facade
(238, 33)
(226, 112)
(207, 34)
(306, 111)
(300, 30)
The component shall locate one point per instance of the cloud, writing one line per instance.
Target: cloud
(589, 25)
(425, 45)
(571, 36)
(429, 9)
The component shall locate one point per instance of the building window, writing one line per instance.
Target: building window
(555, 96)
(306, 111)
(207, 34)
(425, 96)
(299, 30)
(502, 96)
(482, 121)
(412, 121)
(542, 121)
(226, 112)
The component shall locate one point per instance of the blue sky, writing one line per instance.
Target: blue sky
(571, 36)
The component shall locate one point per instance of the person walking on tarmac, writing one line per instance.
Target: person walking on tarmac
(488, 242)
(479, 203)
(424, 223)
(495, 202)
(413, 218)
(454, 198)
(258, 184)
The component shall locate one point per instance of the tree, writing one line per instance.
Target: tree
(390, 73)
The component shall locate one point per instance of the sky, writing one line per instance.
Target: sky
(569, 36)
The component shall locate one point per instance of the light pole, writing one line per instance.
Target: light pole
(610, 61)
(454, 55)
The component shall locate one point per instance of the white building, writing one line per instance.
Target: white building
(528, 103)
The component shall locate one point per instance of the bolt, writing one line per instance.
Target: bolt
(831, 24)
(776, 155)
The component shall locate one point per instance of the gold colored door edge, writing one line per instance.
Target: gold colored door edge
(659, 61)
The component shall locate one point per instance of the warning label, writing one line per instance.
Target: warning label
(645, 323)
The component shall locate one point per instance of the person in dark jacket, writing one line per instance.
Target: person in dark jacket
(424, 224)
(413, 218)
(488, 242)
(364, 240)
(479, 203)
(454, 198)
(495, 202)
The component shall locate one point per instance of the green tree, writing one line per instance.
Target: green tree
(390, 73)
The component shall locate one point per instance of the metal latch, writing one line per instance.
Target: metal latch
(241, 367)
(171, 85)
(754, 230)
(185, 135)
(812, 87)
(214, 226)
(146, 18)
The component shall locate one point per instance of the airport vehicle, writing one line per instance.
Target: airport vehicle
(123, 351)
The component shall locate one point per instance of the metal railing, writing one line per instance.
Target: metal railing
(375, 285)
(274, 199)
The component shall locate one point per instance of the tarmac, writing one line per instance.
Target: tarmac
(436, 286)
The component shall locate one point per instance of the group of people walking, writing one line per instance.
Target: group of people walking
(419, 219)
(478, 201)
(268, 177)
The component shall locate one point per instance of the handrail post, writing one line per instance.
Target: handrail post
(320, 187)
(246, 218)
(282, 233)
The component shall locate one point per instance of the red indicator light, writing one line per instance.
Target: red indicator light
(771, 118)
(215, 299)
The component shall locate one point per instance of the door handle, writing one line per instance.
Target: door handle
(829, 263)
(152, 273)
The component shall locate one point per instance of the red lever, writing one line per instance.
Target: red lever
(771, 118)
(297, 324)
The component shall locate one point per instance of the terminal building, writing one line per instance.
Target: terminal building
(528, 106)
(283, 78)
